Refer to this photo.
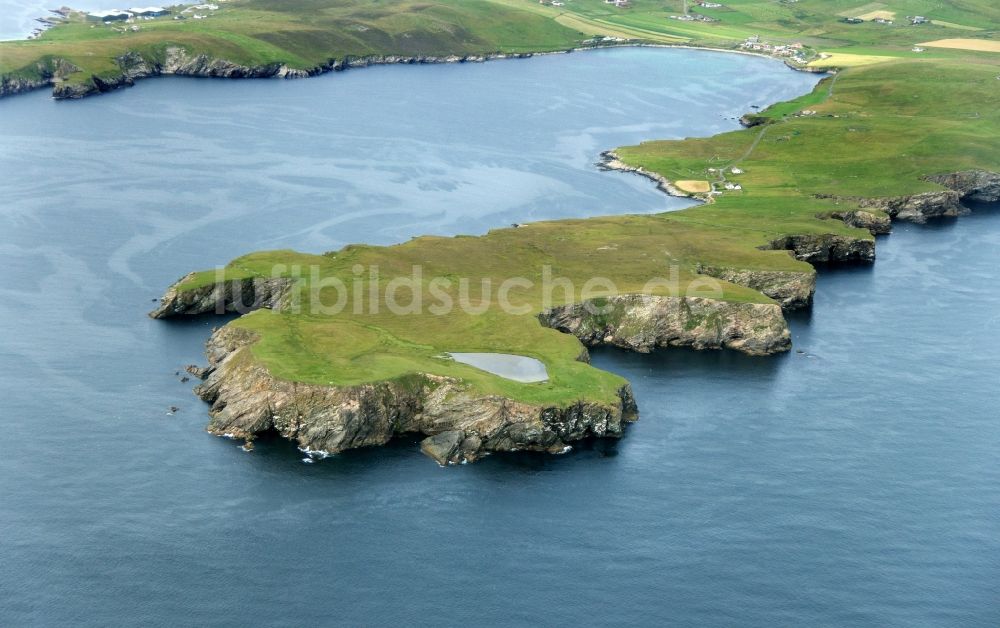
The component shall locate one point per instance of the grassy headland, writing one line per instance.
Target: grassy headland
(877, 133)
(897, 112)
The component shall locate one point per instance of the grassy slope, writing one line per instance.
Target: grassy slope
(880, 130)
(307, 33)
(350, 348)
(302, 34)
(877, 131)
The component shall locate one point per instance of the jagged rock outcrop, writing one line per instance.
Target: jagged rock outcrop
(43, 74)
(201, 372)
(967, 185)
(875, 223)
(750, 120)
(363, 62)
(791, 289)
(237, 295)
(972, 185)
(461, 424)
(177, 60)
(825, 248)
(10, 84)
(134, 66)
(640, 322)
(918, 207)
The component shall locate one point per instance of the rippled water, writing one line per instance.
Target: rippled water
(854, 484)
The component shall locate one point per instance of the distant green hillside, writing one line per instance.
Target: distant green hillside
(306, 34)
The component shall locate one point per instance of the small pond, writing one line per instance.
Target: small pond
(516, 367)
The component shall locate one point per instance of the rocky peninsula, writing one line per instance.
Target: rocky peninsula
(461, 419)
(809, 183)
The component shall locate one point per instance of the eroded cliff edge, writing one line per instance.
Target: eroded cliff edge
(642, 323)
(460, 424)
(176, 60)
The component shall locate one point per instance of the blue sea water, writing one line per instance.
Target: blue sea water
(853, 484)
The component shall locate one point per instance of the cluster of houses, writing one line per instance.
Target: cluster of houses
(754, 43)
(121, 15)
(621, 4)
(599, 40)
(729, 185)
(693, 17)
(149, 13)
(687, 16)
(860, 20)
(914, 19)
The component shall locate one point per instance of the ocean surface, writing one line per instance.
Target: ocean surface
(853, 484)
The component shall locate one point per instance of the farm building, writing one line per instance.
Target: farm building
(112, 15)
(149, 11)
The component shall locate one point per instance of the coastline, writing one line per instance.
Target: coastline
(180, 63)
(641, 323)
(611, 161)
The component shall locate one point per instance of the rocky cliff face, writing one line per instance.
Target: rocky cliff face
(825, 248)
(461, 425)
(918, 208)
(44, 73)
(10, 85)
(875, 223)
(177, 61)
(642, 323)
(792, 290)
(971, 185)
(133, 66)
(238, 295)
(967, 185)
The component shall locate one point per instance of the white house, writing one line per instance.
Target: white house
(112, 15)
(149, 11)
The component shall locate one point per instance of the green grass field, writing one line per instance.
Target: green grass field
(876, 129)
(305, 34)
